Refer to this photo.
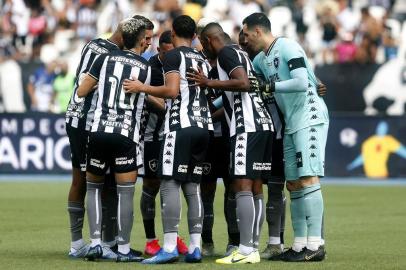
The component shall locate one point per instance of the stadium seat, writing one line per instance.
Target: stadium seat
(280, 18)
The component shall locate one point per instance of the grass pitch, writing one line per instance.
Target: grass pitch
(365, 229)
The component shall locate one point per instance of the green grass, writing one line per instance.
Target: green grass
(365, 229)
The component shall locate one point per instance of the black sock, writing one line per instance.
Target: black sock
(207, 236)
(149, 227)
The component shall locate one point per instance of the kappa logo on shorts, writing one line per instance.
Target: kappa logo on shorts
(170, 136)
(299, 160)
(168, 153)
(240, 146)
(313, 138)
(206, 168)
(313, 146)
(239, 154)
(183, 168)
(153, 164)
(240, 163)
(168, 161)
(240, 138)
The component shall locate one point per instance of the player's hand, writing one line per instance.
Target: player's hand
(321, 89)
(132, 86)
(198, 76)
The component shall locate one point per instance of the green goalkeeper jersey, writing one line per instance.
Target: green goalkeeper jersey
(285, 63)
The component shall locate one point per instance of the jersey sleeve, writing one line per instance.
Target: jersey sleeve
(392, 144)
(294, 57)
(228, 59)
(96, 67)
(157, 76)
(172, 61)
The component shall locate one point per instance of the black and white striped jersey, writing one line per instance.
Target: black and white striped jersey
(190, 107)
(80, 111)
(220, 126)
(153, 124)
(245, 111)
(116, 111)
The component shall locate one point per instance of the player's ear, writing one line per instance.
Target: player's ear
(158, 49)
(194, 36)
(258, 31)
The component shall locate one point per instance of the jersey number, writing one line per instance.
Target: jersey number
(117, 96)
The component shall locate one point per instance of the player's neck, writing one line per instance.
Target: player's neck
(137, 50)
(268, 41)
(179, 42)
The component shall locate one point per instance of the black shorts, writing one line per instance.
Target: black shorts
(182, 154)
(150, 157)
(217, 162)
(111, 150)
(251, 155)
(78, 140)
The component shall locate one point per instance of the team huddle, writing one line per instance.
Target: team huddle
(203, 108)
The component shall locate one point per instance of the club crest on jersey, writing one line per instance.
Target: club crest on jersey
(153, 164)
(276, 62)
(206, 167)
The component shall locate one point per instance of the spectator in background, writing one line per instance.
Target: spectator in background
(87, 20)
(329, 26)
(369, 26)
(389, 42)
(37, 24)
(194, 9)
(346, 49)
(297, 16)
(40, 88)
(366, 51)
(62, 86)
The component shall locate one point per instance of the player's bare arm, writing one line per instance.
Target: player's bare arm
(238, 82)
(169, 90)
(87, 85)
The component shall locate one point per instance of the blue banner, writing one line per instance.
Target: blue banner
(34, 143)
(366, 146)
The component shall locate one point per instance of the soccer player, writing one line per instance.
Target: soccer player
(187, 125)
(276, 205)
(152, 141)
(109, 194)
(251, 137)
(116, 128)
(79, 117)
(291, 80)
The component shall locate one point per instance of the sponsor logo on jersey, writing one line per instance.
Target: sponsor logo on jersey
(97, 163)
(198, 170)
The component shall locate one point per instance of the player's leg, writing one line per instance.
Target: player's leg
(191, 190)
(230, 206)
(150, 189)
(310, 145)
(109, 220)
(125, 168)
(172, 164)
(208, 190)
(247, 153)
(77, 191)
(275, 208)
(97, 162)
(296, 206)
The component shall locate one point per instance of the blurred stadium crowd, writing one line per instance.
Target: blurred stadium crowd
(41, 40)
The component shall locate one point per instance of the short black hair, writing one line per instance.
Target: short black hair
(133, 31)
(148, 24)
(258, 19)
(184, 26)
(209, 27)
(166, 37)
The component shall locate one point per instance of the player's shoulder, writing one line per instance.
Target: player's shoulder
(229, 49)
(102, 46)
(287, 44)
(259, 58)
(155, 61)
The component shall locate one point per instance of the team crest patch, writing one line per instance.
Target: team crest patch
(153, 164)
(206, 167)
(276, 62)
